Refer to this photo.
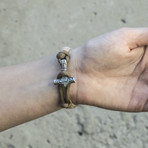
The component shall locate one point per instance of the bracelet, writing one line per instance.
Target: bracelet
(64, 79)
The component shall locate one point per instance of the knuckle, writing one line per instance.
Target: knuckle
(124, 32)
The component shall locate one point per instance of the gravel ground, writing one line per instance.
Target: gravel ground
(31, 29)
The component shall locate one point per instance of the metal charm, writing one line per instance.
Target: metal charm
(65, 81)
(63, 63)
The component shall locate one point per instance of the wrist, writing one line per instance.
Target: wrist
(48, 70)
(73, 70)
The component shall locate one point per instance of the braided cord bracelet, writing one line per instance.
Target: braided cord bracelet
(64, 79)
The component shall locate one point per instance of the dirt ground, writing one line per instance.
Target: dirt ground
(31, 29)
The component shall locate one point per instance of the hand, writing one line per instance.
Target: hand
(112, 70)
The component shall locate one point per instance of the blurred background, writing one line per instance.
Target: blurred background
(31, 29)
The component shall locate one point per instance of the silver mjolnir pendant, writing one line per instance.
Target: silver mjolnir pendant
(65, 81)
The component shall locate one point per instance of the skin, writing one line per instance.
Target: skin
(111, 72)
(27, 91)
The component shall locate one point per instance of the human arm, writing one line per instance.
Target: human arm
(111, 72)
(27, 91)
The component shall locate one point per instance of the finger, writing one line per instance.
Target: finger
(137, 37)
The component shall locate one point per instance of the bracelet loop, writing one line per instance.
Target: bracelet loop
(64, 79)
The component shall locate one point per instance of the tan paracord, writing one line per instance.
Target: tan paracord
(64, 79)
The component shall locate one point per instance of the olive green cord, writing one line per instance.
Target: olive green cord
(64, 90)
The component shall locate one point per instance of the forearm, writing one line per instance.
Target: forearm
(27, 91)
